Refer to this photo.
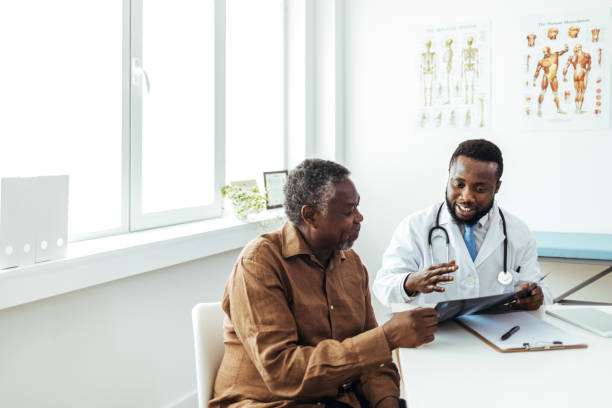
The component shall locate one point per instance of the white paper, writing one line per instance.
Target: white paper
(533, 330)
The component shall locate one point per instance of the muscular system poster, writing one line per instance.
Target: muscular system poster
(566, 74)
(454, 84)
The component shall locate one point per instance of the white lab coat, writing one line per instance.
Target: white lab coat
(409, 252)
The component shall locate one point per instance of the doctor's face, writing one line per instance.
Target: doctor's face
(472, 185)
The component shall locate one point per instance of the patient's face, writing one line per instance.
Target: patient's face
(338, 225)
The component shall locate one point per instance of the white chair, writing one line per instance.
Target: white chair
(207, 321)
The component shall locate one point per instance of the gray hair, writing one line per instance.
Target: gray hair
(311, 183)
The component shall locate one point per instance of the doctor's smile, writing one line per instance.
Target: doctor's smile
(465, 211)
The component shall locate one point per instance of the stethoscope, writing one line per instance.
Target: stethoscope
(504, 277)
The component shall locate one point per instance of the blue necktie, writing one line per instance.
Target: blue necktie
(468, 237)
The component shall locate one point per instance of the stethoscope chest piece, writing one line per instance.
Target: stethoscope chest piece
(505, 278)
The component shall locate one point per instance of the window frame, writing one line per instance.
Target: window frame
(137, 219)
(295, 121)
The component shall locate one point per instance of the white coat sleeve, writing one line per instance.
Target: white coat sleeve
(401, 257)
(530, 268)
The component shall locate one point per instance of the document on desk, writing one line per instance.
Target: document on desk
(534, 334)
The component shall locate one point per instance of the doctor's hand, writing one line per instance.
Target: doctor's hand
(532, 301)
(411, 328)
(426, 281)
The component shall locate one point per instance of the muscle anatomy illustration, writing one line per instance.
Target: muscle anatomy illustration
(549, 64)
(531, 40)
(573, 31)
(528, 58)
(599, 56)
(581, 61)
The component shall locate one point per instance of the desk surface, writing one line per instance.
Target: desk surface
(459, 370)
(574, 245)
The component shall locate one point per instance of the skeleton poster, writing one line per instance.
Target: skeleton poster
(454, 77)
(565, 69)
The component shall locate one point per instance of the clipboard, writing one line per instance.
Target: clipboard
(534, 335)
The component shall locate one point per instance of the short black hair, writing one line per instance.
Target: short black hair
(482, 150)
(311, 183)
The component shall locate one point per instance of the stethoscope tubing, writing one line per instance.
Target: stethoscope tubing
(439, 227)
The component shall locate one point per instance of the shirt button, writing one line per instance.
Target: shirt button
(331, 307)
(382, 365)
(470, 281)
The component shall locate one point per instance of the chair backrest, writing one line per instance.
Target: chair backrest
(208, 339)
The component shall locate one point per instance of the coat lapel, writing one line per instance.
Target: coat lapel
(494, 238)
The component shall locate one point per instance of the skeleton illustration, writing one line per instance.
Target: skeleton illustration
(428, 72)
(469, 68)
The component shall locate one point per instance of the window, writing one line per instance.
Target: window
(61, 102)
(177, 130)
(128, 98)
(255, 89)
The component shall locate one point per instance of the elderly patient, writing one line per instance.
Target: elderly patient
(299, 326)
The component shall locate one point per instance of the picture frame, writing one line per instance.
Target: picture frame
(246, 184)
(274, 181)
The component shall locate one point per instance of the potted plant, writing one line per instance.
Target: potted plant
(245, 200)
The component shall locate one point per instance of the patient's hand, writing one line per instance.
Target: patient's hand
(411, 328)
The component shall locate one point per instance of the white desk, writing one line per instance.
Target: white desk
(459, 370)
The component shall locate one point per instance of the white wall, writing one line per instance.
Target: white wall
(127, 343)
(398, 171)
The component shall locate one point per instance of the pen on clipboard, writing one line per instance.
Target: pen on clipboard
(510, 332)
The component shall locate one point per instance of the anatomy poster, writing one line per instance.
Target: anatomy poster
(454, 77)
(566, 74)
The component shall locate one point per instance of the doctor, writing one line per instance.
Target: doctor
(470, 253)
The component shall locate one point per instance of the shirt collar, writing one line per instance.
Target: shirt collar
(293, 243)
(446, 217)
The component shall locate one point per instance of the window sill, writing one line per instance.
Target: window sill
(102, 260)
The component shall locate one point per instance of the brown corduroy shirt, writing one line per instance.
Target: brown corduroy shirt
(298, 334)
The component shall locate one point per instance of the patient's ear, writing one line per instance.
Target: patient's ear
(309, 216)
